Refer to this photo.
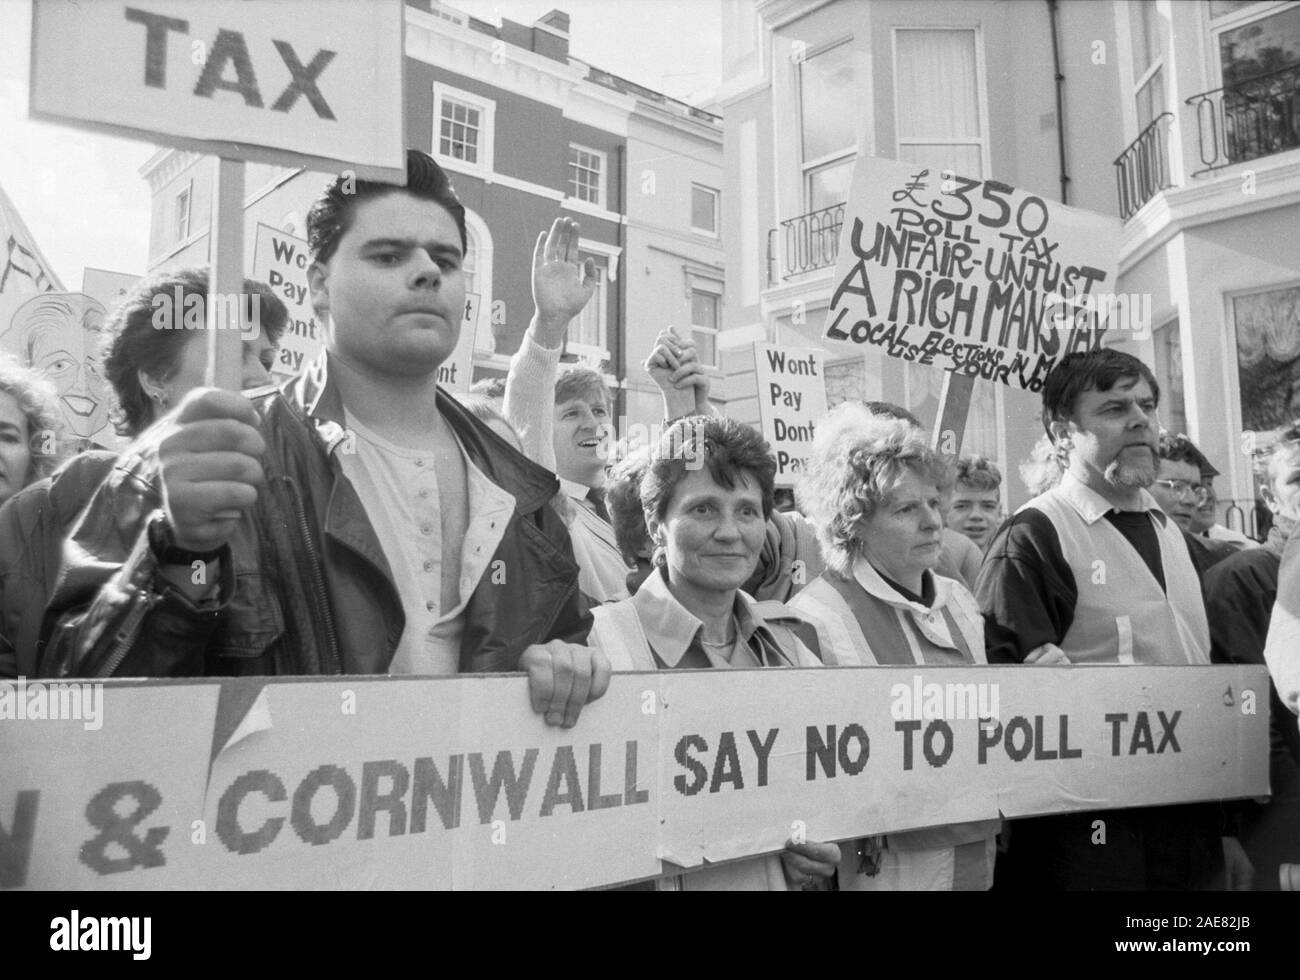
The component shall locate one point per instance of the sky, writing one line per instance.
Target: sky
(84, 201)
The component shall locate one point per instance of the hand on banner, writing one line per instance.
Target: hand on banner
(210, 456)
(562, 282)
(1238, 871)
(675, 367)
(1046, 655)
(805, 864)
(562, 677)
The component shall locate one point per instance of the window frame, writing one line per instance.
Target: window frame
(1148, 74)
(186, 192)
(717, 209)
(487, 126)
(714, 291)
(597, 305)
(1239, 473)
(1160, 335)
(1217, 26)
(849, 154)
(478, 232)
(981, 97)
(602, 175)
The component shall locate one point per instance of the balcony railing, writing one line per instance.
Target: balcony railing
(1248, 120)
(1142, 170)
(810, 241)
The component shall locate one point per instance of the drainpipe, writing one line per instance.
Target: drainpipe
(1060, 105)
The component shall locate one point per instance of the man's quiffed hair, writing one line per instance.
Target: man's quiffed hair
(332, 213)
(1083, 371)
(581, 382)
(857, 462)
(725, 447)
(1180, 449)
(135, 343)
(978, 473)
(39, 402)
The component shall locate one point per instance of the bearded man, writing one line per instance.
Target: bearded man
(1093, 571)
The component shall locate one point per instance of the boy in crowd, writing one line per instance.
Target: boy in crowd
(975, 506)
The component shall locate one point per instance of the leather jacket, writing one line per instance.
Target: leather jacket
(33, 524)
(306, 588)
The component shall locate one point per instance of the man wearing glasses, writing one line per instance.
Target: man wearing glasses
(1181, 490)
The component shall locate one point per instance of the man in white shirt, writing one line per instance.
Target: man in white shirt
(566, 425)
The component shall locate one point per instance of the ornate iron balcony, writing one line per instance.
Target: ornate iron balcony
(810, 241)
(1142, 170)
(1248, 120)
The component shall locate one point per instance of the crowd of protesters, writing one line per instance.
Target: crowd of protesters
(346, 522)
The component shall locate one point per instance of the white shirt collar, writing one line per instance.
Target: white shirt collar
(571, 488)
(1092, 506)
(670, 628)
(874, 584)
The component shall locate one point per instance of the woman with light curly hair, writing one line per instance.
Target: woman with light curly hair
(875, 492)
(30, 427)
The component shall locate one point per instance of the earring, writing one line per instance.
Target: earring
(161, 398)
(659, 556)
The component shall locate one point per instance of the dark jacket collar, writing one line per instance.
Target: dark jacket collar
(532, 486)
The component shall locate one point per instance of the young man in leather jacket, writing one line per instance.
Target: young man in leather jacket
(357, 520)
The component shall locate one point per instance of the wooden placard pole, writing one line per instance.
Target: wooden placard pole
(954, 407)
(226, 309)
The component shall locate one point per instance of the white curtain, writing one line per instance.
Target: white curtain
(938, 100)
(937, 84)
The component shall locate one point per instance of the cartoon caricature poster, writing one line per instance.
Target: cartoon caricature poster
(60, 335)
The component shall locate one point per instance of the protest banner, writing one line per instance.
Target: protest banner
(901, 748)
(366, 782)
(321, 91)
(456, 372)
(23, 269)
(61, 336)
(280, 260)
(363, 783)
(238, 79)
(974, 276)
(791, 397)
(107, 287)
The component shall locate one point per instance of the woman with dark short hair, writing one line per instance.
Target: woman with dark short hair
(155, 352)
(875, 492)
(153, 356)
(707, 493)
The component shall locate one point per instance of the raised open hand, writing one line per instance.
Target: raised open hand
(562, 282)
